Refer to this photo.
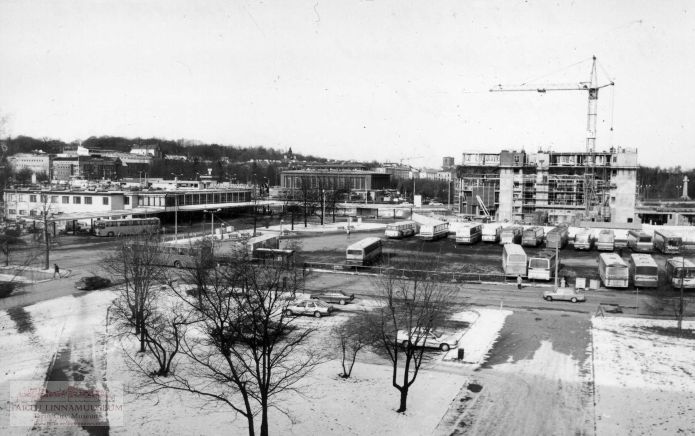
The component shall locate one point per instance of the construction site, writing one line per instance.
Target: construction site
(549, 186)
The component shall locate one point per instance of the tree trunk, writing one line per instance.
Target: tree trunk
(264, 416)
(404, 399)
(142, 334)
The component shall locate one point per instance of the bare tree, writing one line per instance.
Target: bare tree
(413, 306)
(140, 264)
(240, 348)
(353, 336)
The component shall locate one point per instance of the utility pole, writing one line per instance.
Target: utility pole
(557, 263)
(681, 302)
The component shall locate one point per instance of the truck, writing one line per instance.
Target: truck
(605, 240)
(532, 237)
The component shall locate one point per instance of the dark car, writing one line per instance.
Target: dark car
(335, 297)
(92, 283)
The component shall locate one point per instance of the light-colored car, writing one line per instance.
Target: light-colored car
(309, 307)
(433, 339)
(335, 297)
(564, 294)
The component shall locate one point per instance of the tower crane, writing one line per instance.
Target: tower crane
(592, 87)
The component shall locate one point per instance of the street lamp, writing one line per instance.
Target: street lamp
(176, 205)
(212, 221)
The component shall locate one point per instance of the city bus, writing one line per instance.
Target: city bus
(186, 256)
(514, 261)
(605, 240)
(363, 252)
(613, 270)
(639, 241)
(678, 268)
(542, 265)
(557, 237)
(401, 229)
(532, 237)
(510, 235)
(469, 233)
(126, 226)
(644, 271)
(583, 240)
(433, 230)
(491, 232)
(666, 242)
(274, 256)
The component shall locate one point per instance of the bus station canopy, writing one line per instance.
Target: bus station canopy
(73, 216)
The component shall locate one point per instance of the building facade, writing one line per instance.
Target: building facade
(549, 186)
(357, 181)
(36, 162)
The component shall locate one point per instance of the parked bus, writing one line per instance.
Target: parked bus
(532, 237)
(613, 270)
(639, 241)
(469, 234)
(491, 232)
(187, 256)
(514, 261)
(583, 240)
(605, 240)
(644, 271)
(510, 235)
(666, 242)
(126, 226)
(401, 229)
(542, 265)
(678, 268)
(557, 237)
(263, 241)
(274, 256)
(363, 252)
(433, 231)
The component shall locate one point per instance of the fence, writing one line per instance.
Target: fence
(439, 276)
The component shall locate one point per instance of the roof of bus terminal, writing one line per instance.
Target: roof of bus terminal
(117, 213)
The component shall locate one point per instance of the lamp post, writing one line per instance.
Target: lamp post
(176, 206)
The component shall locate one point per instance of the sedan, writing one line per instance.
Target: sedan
(564, 294)
(433, 339)
(309, 307)
(92, 283)
(338, 297)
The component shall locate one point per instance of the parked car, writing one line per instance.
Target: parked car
(564, 294)
(92, 283)
(309, 307)
(433, 339)
(335, 297)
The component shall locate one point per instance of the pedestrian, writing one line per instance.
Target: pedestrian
(518, 281)
(348, 233)
(56, 270)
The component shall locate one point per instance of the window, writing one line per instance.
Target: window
(12, 211)
(76, 200)
(126, 200)
(629, 220)
(32, 198)
(66, 199)
(22, 212)
(32, 213)
(54, 198)
(88, 200)
(105, 201)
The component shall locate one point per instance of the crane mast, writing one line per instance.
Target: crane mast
(592, 87)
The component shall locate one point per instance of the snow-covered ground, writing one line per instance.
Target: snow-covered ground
(486, 324)
(645, 381)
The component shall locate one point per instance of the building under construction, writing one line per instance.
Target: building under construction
(552, 187)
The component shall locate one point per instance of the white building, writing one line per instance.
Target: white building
(36, 162)
(147, 150)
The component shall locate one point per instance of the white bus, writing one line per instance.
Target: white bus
(666, 242)
(186, 256)
(491, 232)
(644, 271)
(532, 237)
(363, 252)
(433, 231)
(583, 240)
(514, 260)
(542, 265)
(613, 270)
(639, 241)
(510, 235)
(605, 240)
(469, 234)
(678, 268)
(126, 226)
(401, 229)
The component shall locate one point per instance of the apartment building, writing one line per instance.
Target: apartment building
(36, 162)
(549, 186)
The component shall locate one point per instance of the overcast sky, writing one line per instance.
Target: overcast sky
(384, 80)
